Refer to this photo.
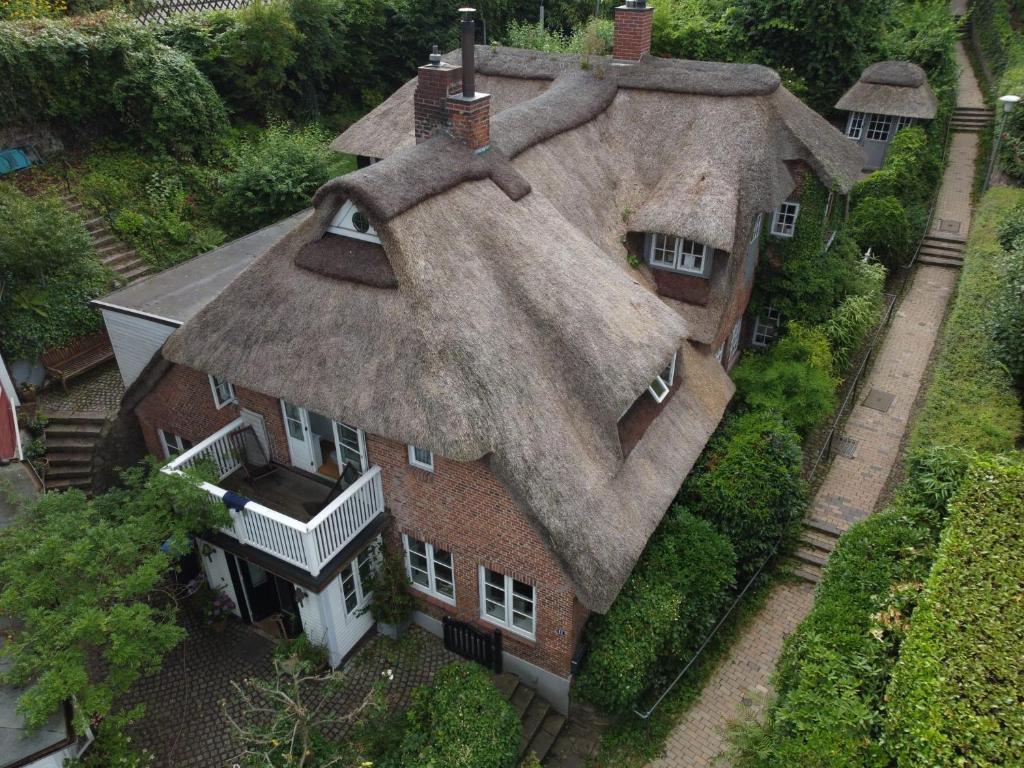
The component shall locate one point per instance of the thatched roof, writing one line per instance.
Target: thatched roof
(891, 88)
(517, 331)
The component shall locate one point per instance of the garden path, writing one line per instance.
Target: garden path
(850, 491)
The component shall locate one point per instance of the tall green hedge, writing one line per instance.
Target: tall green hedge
(1002, 53)
(956, 696)
(971, 400)
(106, 73)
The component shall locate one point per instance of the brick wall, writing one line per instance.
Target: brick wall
(430, 103)
(181, 404)
(688, 288)
(470, 120)
(632, 33)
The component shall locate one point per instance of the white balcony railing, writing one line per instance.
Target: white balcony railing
(306, 545)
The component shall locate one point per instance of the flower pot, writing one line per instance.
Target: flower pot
(27, 395)
(394, 631)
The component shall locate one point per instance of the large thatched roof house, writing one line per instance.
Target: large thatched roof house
(889, 96)
(459, 322)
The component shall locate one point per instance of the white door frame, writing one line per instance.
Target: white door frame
(360, 436)
(300, 451)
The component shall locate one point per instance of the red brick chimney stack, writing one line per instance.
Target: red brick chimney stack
(632, 30)
(469, 112)
(435, 82)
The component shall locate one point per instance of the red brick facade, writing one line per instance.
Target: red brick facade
(430, 104)
(470, 120)
(460, 507)
(689, 288)
(632, 32)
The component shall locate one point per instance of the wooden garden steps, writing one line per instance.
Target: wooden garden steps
(542, 725)
(71, 439)
(114, 254)
(972, 119)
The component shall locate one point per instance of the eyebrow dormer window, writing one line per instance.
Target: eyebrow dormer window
(351, 222)
(662, 384)
(678, 254)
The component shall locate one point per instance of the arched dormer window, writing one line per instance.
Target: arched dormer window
(351, 222)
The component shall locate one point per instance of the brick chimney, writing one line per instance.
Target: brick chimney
(469, 112)
(632, 30)
(435, 82)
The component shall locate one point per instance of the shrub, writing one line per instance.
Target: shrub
(1008, 320)
(274, 176)
(459, 721)
(971, 401)
(848, 325)
(794, 378)
(881, 224)
(696, 29)
(1010, 227)
(748, 485)
(955, 690)
(669, 603)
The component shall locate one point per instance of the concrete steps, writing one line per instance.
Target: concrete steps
(972, 119)
(114, 254)
(941, 251)
(817, 540)
(542, 725)
(71, 439)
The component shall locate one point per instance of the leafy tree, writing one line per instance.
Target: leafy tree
(826, 43)
(81, 580)
(881, 224)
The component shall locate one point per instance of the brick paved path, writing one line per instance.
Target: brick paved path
(852, 487)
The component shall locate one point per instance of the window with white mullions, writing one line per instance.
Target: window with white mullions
(879, 127)
(903, 122)
(430, 569)
(855, 125)
(662, 384)
(356, 579)
(508, 602)
(784, 221)
(421, 457)
(223, 392)
(678, 254)
(173, 445)
(766, 328)
(734, 339)
(351, 447)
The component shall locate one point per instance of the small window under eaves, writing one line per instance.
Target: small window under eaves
(351, 222)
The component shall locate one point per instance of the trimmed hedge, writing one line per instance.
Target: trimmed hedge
(971, 400)
(458, 721)
(1002, 52)
(956, 691)
(669, 603)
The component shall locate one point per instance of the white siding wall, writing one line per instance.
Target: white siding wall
(346, 630)
(135, 340)
(217, 575)
(312, 619)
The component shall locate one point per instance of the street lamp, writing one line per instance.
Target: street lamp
(1009, 101)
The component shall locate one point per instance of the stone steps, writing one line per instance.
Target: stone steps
(71, 439)
(941, 251)
(114, 254)
(972, 119)
(817, 541)
(542, 725)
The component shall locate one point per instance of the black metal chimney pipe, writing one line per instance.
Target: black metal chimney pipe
(468, 52)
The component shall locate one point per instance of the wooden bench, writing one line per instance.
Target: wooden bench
(80, 356)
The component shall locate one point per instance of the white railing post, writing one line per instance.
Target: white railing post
(312, 556)
(238, 525)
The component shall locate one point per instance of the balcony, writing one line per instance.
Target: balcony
(291, 534)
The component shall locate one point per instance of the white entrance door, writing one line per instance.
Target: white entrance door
(300, 441)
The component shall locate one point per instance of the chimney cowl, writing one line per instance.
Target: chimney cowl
(435, 57)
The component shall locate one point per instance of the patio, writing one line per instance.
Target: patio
(184, 726)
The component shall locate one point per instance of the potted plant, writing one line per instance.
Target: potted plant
(392, 604)
(27, 392)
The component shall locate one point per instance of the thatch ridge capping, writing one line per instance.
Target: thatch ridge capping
(903, 74)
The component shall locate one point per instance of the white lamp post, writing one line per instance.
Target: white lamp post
(1008, 101)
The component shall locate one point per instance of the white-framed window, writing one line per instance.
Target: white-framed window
(734, 339)
(720, 353)
(903, 122)
(508, 602)
(351, 222)
(879, 127)
(784, 221)
(173, 445)
(351, 445)
(855, 125)
(421, 457)
(223, 392)
(766, 328)
(678, 254)
(662, 383)
(430, 569)
(756, 235)
(355, 581)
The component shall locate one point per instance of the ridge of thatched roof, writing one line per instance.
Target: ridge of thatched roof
(891, 88)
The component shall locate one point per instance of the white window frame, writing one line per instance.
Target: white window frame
(424, 465)
(873, 130)
(343, 224)
(766, 328)
(678, 254)
(351, 573)
(903, 122)
(166, 444)
(220, 388)
(660, 388)
(782, 226)
(855, 126)
(507, 623)
(430, 553)
(360, 446)
(734, 339)
(720, 353)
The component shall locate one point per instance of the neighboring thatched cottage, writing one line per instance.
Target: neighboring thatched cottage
(459, 325)
(889, 96)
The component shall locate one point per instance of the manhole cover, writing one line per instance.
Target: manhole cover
(845, 447)
(879, 400)
(948, 225)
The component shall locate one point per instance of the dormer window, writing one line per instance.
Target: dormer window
(678, 254)
(351, 222)
(662, 384)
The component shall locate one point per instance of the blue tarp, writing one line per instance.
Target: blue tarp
(12, 160)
